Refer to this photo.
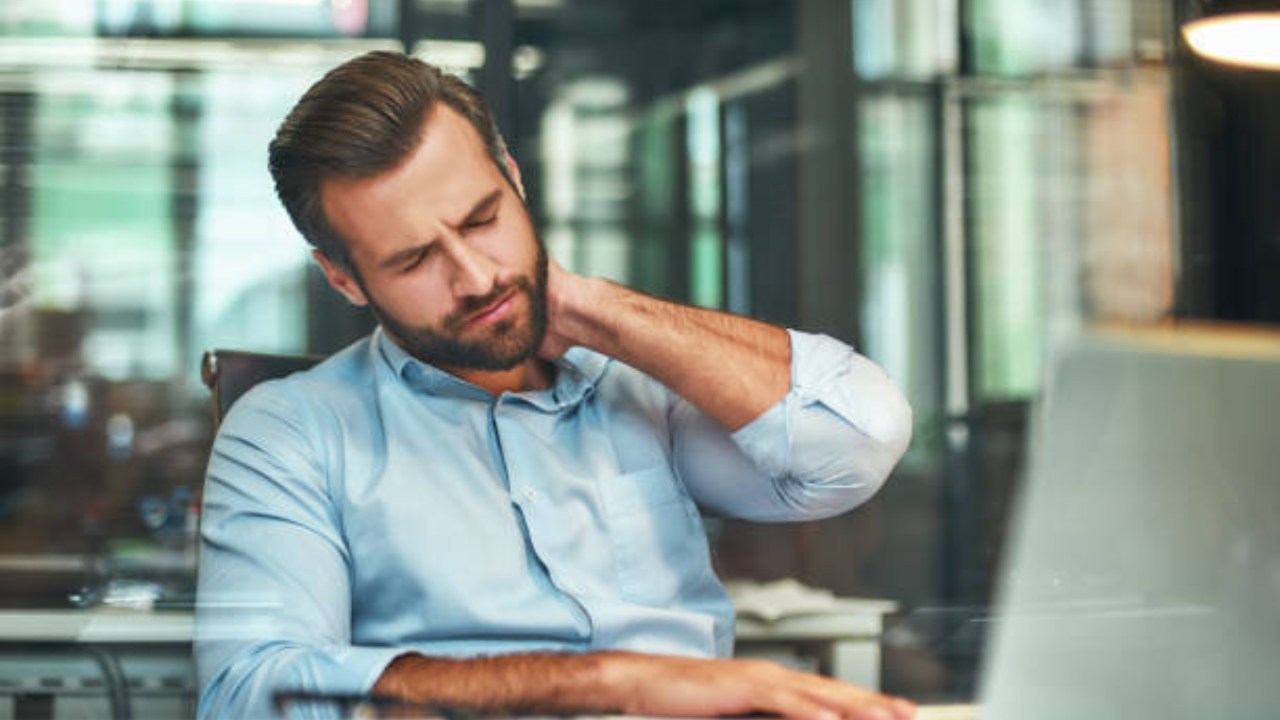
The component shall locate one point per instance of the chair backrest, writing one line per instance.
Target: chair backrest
(229, 373)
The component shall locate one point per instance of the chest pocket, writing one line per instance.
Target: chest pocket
(659, 545)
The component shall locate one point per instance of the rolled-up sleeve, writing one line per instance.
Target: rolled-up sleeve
(823, 449)
(274, 586)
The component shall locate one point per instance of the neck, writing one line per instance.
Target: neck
(532, 374)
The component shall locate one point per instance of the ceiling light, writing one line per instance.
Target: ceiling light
(1243, 32)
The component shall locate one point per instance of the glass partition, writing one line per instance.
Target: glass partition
(998, 172)
(140, 194)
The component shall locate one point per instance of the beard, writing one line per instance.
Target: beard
(509, 341)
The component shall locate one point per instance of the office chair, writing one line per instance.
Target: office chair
(229, 373)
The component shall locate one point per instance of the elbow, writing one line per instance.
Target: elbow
(899, 428)
(240, 683)
(886, 433)
(825, 481)
(887, 446)
(230, 692)
(878, 457)
(217, 700)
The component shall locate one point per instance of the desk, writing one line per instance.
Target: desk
(96, 663)
(62, 663)
(843, 641)
(107, 626)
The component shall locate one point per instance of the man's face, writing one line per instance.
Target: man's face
(444, 253)
(512, 340)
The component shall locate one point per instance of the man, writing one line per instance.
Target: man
(490, 501)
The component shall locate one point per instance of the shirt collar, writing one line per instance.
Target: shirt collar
(577, 373)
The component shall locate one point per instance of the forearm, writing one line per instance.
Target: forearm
(732, 368)
(526, 683)
(633, 684)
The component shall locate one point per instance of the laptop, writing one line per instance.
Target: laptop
(1143, 575)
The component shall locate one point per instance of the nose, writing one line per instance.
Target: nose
(473, 272)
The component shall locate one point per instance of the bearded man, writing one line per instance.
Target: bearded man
(492, 501)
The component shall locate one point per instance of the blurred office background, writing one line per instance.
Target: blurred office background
(953, 186)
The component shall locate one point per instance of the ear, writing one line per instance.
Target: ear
(341, 280)
(513, 171)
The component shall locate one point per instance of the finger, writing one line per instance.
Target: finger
(860, 703)
(796, 705)
(808, 693)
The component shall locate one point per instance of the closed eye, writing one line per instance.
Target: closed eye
(417, 260)
(481, 222)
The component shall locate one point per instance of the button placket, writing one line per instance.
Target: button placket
(525, 495)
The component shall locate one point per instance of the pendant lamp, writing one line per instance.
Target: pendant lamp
(1236, 32)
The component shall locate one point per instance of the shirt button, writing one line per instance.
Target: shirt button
(530, 494)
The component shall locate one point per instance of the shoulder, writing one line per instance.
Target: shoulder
(309, 401)
(345, 377)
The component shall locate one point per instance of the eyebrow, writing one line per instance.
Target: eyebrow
(476, 212)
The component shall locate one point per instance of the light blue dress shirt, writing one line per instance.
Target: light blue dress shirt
(375, 505)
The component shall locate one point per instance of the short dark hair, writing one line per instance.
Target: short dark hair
(363, 118)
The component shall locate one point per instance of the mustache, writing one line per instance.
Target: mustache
(470, 305)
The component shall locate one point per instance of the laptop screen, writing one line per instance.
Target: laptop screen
(1144, 576)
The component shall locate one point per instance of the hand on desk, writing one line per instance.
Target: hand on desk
(634, 684)
(658, 685)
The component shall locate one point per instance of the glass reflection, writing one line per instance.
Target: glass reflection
(1015, 187)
